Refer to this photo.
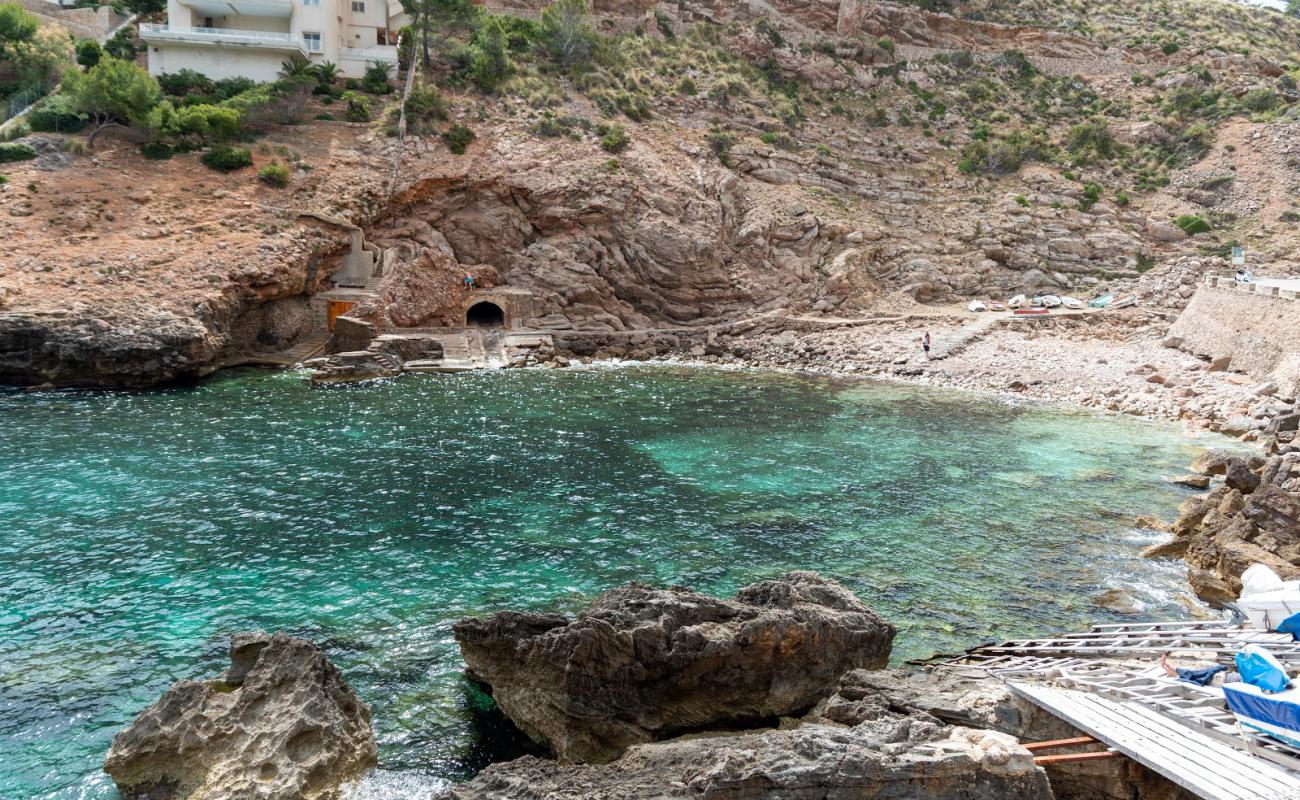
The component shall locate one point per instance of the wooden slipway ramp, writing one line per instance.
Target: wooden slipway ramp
(1208, 768)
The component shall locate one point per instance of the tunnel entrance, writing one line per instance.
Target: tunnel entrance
(485, 315)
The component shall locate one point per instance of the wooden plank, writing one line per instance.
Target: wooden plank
(1202, 765)
(1055, 743)
(1075, 758)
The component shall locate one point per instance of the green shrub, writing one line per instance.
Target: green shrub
(358, 109)
(687, 86)
(1091, 194)
(274, 174)
(89, 52)
(1022, 200)
(1090, 139)
(1192, 224)
(1003, 153)
(457, 138)
(615, 140)
(777, 139)
(227, 88)
(1261, 99)
(15, 151)
(1169, 48)
(720, 142)
(1144, 263)
(227, 159)
(183, 82)
(489, 62)
(887, 45)
(122, 45)
(56, 115)
(375, 79)
(1121, 199)
(208, 123)
(157, 151)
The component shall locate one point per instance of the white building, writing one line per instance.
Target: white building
(252, 38)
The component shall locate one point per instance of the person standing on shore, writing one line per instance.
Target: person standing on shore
(925, 344)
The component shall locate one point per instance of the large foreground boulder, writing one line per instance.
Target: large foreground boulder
(280, 724)
(890, 756)
(643, 664)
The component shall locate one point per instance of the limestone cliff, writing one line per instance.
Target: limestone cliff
(714, 161)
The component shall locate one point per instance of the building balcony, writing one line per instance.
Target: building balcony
(268, 40)
(384, 53)
(244, 8)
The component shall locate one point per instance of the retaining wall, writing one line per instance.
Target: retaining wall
(1258, 327)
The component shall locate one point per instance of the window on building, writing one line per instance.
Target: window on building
(358, 7)
(311, 3)
(312, 40)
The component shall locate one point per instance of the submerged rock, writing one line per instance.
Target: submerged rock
(642, 663)
(281, 724)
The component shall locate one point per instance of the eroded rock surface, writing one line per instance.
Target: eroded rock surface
(644, 663)
(280, 724)
(1252, 517)
(893, 756)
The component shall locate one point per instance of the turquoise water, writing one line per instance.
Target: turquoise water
(140, 530)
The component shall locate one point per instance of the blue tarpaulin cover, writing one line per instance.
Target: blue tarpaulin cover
(1291, 625)
(1258, 669)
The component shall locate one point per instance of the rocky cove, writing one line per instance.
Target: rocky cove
(704, 260)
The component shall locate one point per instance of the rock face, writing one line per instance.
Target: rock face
(1253, 517)
(892, 756)
(642, 664)
(280, 724)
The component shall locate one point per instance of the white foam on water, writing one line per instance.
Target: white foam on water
(381, 784)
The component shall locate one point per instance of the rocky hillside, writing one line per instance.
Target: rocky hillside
(691, 162)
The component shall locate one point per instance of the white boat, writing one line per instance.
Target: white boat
(1071, 302)
(1016, 302)
(1122, 302)
(1051, 301)
(994, 305)
(1276, 714)
(1266, 599)
(977, 305)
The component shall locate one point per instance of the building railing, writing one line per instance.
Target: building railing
(223, 34)
(382, 53)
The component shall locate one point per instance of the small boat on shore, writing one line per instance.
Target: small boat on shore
(1123, 302)
(1072, 302)
(1051, 301)
(977, 305)
(1017, 301)
(994, 305)
(1101, 302)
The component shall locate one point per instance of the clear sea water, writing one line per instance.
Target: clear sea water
(139, 530)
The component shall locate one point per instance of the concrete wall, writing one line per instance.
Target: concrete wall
(217, 62)
(1259, 330)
